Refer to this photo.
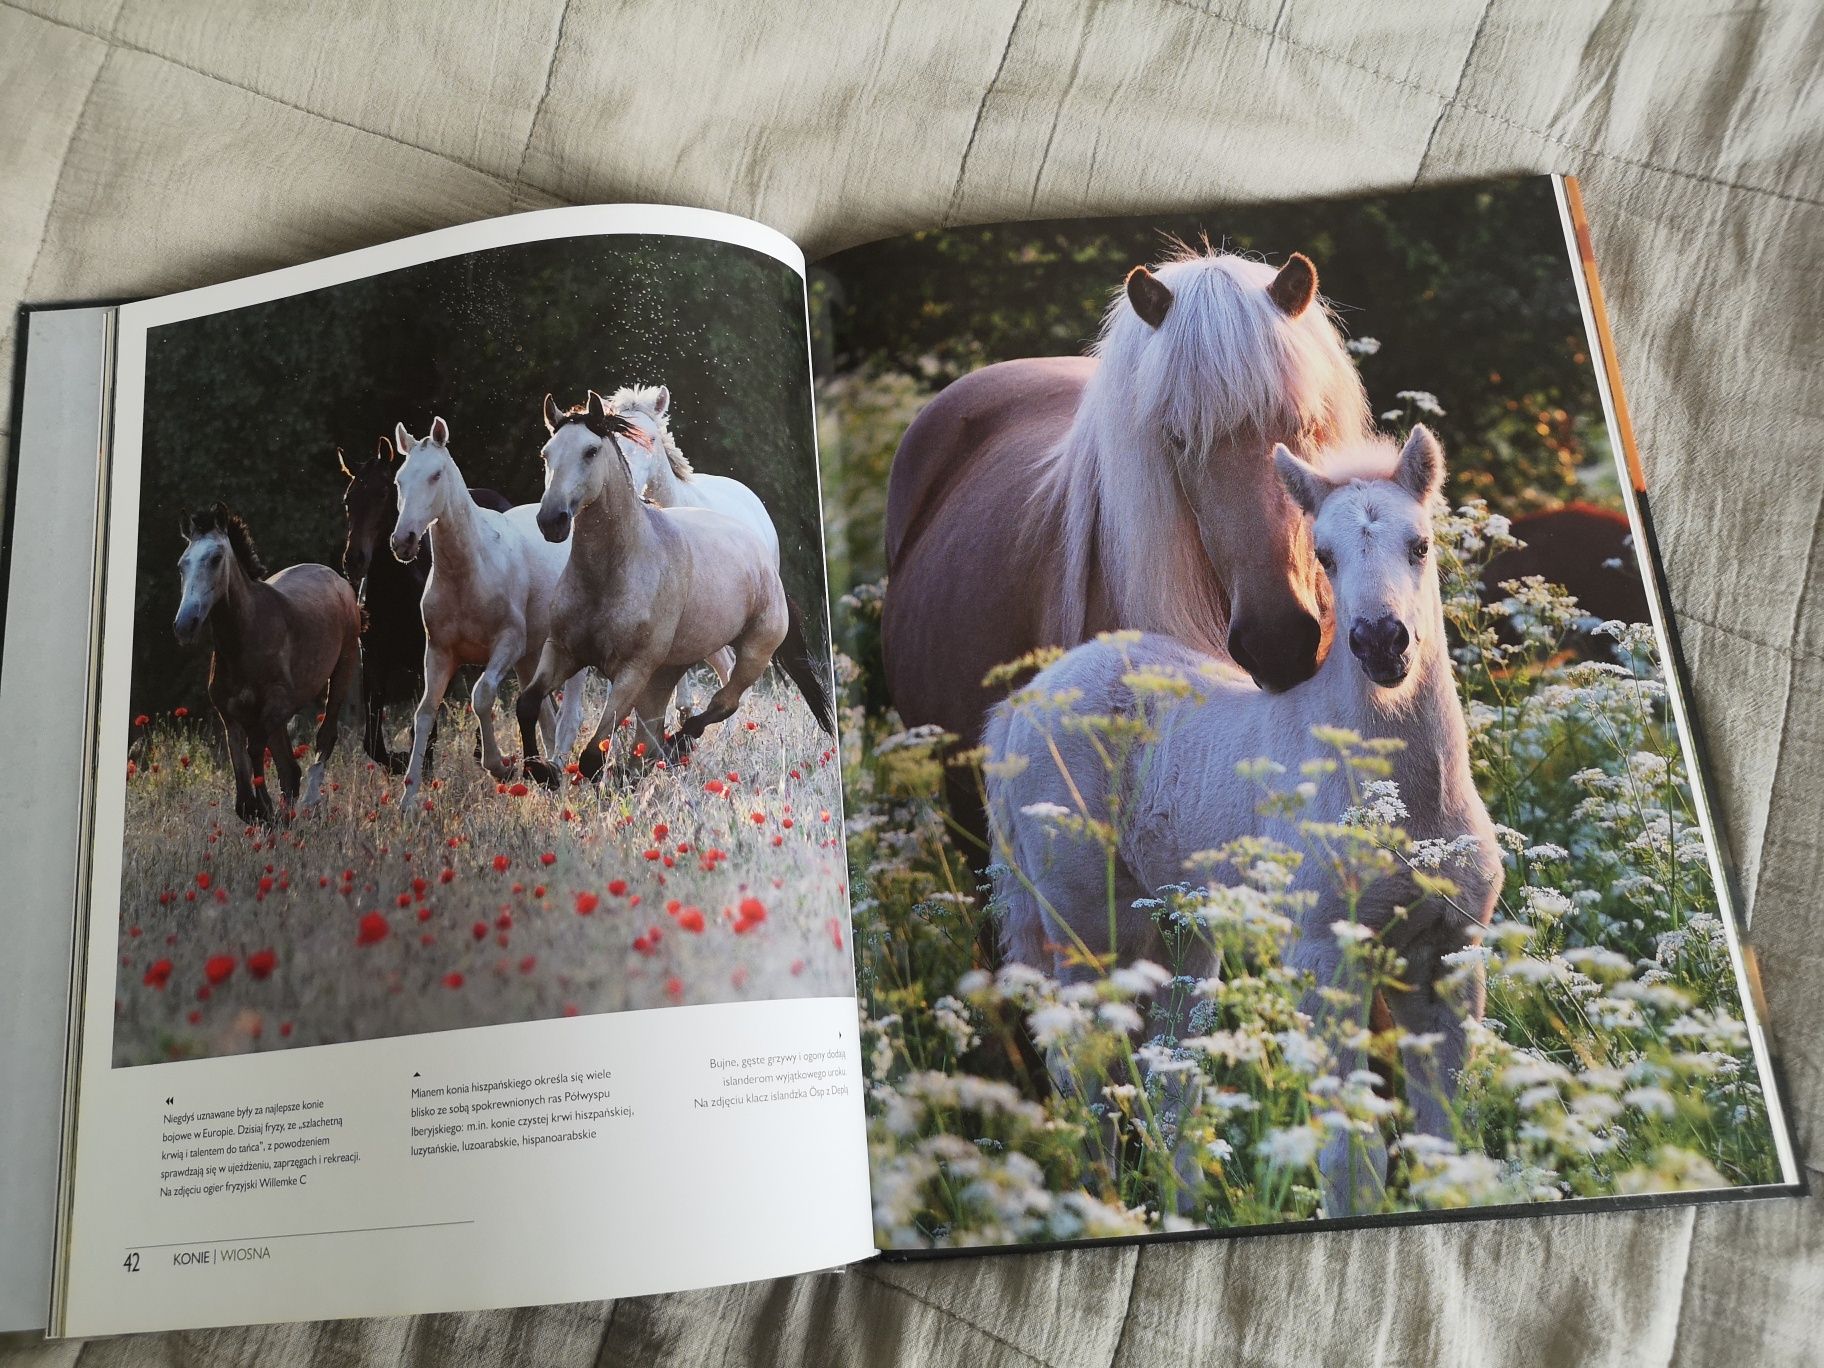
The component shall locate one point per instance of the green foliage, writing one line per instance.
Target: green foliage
(1612, 1058)
(251, 405)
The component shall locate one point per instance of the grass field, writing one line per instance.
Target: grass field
(474, 903)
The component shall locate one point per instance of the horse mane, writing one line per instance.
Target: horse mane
(646, 399)
(220, 518)
(1226, 369)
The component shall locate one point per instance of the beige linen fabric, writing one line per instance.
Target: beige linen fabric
(150, 145)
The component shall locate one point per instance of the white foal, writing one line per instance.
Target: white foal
(1180, 794)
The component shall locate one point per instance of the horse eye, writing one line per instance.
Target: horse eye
(1328, 561)
(1420, 547)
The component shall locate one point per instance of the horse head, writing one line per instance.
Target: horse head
(1373, 538)
(1217, 359)
(370, 507)
(586, 448)
(216, 543)
(422, 483)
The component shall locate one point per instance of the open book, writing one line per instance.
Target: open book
(1249, 781)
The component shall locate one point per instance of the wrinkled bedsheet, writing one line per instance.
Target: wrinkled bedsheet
(150, 145)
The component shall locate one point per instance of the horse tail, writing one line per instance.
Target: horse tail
(1023, 939)
(804, 669)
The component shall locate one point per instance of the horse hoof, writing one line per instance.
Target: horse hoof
(541, 771)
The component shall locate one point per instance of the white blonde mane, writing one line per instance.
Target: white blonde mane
(1225, 370)
(645, 398)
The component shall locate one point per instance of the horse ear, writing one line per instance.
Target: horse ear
(552, 416)
(1295, 286)
(384, 451)
(597, 407)
(1421, 469)
(1149, 295)
(661, 402)
(186, 528)
(1306, 486)
(403, 439)
(342, 464)
(440, 432)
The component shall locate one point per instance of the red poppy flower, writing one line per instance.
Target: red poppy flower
(453, 979)
(404, 900)
(202, 879)
(617, 887)
(373, 929)
(218, 967)
(752, 912)
(180, 712)
(648, 943)
(501, 864)
(158, 973)
(674, 988)
(528, 964)
(713, 786)
(652, 854)
(834, 926)
(193, 1016)
(518, 790)
(586, 903)
(141, 720)
(261, 963)
(547, 858)
(479, 930)
(691, 920)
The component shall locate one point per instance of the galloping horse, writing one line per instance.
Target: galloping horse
(392, 629)
(1041, 501)
(1179, 793)
(648, 592)
(279, 643)
(488, 599)
(663, 475)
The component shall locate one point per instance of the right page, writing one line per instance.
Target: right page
(1272, 796)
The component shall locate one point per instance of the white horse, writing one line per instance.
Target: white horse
(662, 474)
(1181, 795)
(488, 599)
(648, 591)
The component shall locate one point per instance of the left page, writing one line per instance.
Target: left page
(372, 1020)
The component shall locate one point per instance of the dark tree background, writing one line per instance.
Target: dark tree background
(250, 405)
(1468, 290)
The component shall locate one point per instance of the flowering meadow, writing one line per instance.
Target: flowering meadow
(1612, 1060)
(473, 903)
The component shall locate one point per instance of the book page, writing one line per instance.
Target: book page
(1274, 801)
(467, 909)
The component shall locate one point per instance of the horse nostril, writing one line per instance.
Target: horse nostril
(1385, 636)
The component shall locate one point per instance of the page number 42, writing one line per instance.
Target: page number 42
(131, 1262)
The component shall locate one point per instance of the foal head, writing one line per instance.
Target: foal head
(217, 546)
(1373, 535)
(1210, 359)
(588, 447)
(426, 479)
(369, 505)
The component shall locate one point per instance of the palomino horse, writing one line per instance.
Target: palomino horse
(392, 630)
(1039, 502)
(488, 599)
(1179, 793)
(648, 593)
(663, 475)
(280, 642)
